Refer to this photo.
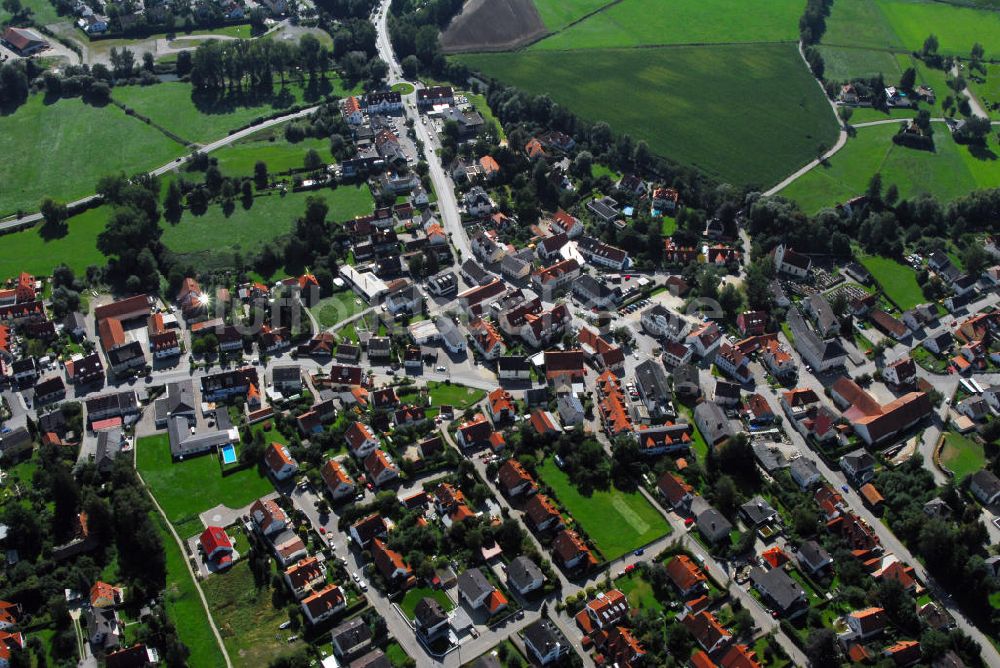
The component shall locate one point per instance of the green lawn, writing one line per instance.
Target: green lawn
(638, 592)
(458, 396)
(60, 150)
(42, 12)
(414, 596)
(961, 455)
(648, 22)
(246, 617)
(618, 522)
(205, 117)
(898, 281)
(184, 606)
(698, 443)
(668, 226)
(948, 172)
(239, 159)
(598, 170)
(211, 239)
(397, 655)
(680, 100)
(186, 489)
(403, 88)
(337, 308)
(27, 251)
(557, 14)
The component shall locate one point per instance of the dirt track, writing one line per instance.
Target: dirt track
(493, 25)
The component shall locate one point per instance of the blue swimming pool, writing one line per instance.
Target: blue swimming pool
(229, 454)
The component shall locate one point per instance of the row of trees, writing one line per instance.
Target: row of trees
(236, 64)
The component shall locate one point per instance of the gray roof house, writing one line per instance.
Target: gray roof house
(713, 525)
(804, 472)
(473, 587)
(524, 575)
(712, 422)
(570, 410)
(351, 637)
(780, 590)
(757, 512)
(109, 446)
(812, 557)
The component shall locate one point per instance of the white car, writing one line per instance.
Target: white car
(440, 369)
(357, 578)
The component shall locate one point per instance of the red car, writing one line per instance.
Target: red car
(630, 568)
(688, 521)
(322, 530)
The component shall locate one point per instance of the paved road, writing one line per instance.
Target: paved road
(447, 204)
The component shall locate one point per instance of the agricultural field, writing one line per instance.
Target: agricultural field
(493, 25)
(949, 172)
(557, 14)
(902, 26)
(962, 456)
(675, 105)
(618, 522)
(898, 281)
(186, 489)
(632, 23)
(184, 606)
(203, 117)
(61, 149)
(213, 237)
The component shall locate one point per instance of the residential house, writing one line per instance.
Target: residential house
(607, 609)
(268, 517)
(323, 604)
(705, 338)
(985, 486)
(430, 618)
(676, 355)
(360, 439)
(524, 575)
(216, 547)
(542, 513)
(380, 468)
(544, 642)
(338, 482)
(902, 372)
(820, 355)
(570, 549)
(280, 462)
(660, 322)
(351, 637)
(677, 493)
(888, 324)
(474, 588)
(514, 479)
(687, 383)
(605, 209)
(603, 255)
(867, 623)
(367, 529)
(563, 222)
(707, 631)
(812, 558)
(555, 277)
(514, 368)
(395, 572)
(782, 593)
(859, 466)
(751, 323)
(712, 525)
(827, 322)
(731, 361)
(687, 576)
(477, 202)
(304, 577)
(474, 274)
(653, 385)
(599, 352)
(595, 294)
(712, 423)
(475, 432)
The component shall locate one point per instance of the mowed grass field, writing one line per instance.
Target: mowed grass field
(239, 159)
(212, 236)
(26, 250)
(987, 91)
(961, 455)
(688, 103)
(60, 150)
(618, 522)
(557, 14)
(950, 171)
(204, 118)
(644, 23)
(186, 489)
(898, 281)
